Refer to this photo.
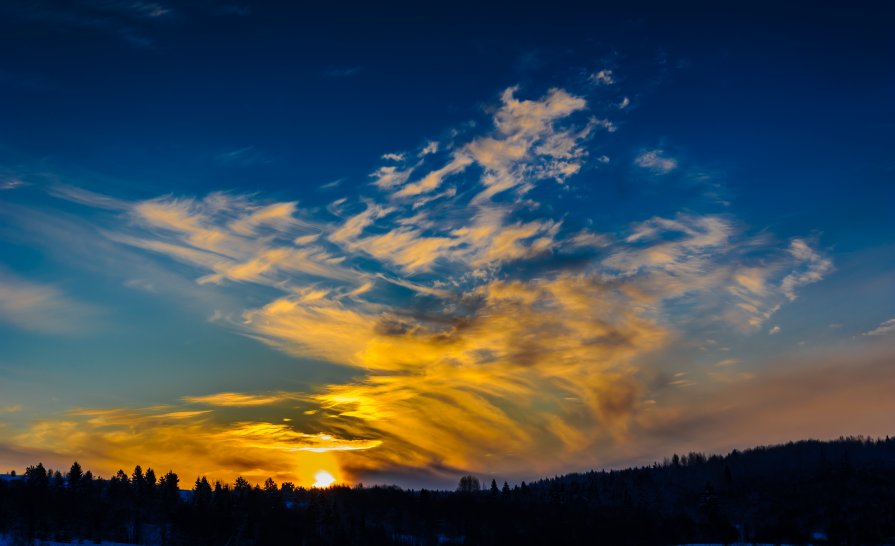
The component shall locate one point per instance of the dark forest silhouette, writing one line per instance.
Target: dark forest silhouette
(838, 492)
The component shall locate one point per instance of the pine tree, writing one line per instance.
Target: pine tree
(74, 476)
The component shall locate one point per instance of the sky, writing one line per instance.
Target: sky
(405, 242)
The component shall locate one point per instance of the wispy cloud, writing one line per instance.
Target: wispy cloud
(603, 77)
(605, 124)
(149, 10)
(193, 442)
(141, 284)
(235, 399)
(41, 307)
(884, 329)
(389, 176)
(12, 183)
(247, 156)
(705, 256)
(656, 161)
(222, 232)
(332, 185)
(481, 325)
(431, 147)
(130, 20)
(87, 197)
(815, 266)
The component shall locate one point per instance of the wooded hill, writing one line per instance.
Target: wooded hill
(838, 492)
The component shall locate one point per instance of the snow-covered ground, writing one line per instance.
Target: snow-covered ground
(7, 541)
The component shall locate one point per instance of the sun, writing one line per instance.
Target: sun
(323, 479)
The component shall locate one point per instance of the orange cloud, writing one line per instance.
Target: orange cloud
(235, 399)
(483, 335)
(193, 443)
(539, 367)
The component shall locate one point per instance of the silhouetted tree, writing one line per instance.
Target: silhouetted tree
(169, 497)
(781, 494)
(74, 475)
(241, 485)
(36, 476)
(202, 493)
(469, 484)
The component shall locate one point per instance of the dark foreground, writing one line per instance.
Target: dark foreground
(840, 492)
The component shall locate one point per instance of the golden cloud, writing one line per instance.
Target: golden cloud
(193, 443)
(238, 400)
(484, 365)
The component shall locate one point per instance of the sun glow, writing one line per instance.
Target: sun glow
(323, 479)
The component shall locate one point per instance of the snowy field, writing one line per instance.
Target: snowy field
(7, 541)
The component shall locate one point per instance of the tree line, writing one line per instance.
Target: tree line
(838, 492)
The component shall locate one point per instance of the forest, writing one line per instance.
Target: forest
(834, 492)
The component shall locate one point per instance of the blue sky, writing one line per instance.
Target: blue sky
(401, 243)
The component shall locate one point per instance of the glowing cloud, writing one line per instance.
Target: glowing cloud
(483, 331)
(235, 399)
(192, 442)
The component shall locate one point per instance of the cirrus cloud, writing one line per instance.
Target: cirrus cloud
(656, 161)
(481, 328)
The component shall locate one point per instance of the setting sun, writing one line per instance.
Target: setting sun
(323, 479)
(468, 272)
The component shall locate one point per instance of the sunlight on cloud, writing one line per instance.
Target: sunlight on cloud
(484, 332)
(282, 437)
(704, 256)
(235, 238)
(235, 399)
(322, 327)
(539, 367)
(192, 442)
